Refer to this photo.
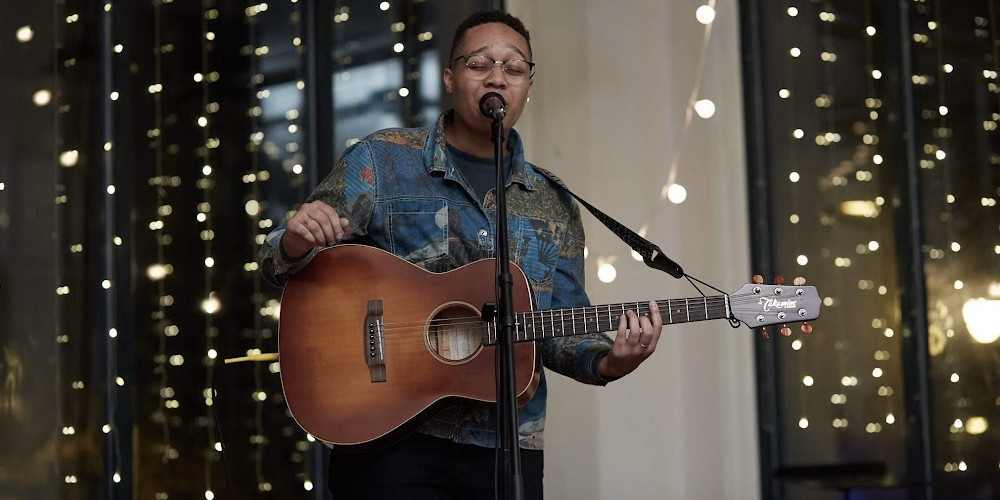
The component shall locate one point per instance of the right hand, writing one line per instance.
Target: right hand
(315, 224)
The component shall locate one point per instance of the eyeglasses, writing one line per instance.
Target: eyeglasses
(518, 71)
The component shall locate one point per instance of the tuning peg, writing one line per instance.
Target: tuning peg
(763, 332)
(806, 328)
(799, 281)
(779, 280)
(785, 331)
(758, 279)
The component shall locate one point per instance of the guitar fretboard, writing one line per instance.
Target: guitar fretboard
(538, 325)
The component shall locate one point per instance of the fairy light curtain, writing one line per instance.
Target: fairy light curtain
(839, 88)
(153, 144)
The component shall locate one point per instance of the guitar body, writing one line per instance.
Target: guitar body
(424, 336)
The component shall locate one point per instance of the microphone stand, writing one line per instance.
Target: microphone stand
(510, 480)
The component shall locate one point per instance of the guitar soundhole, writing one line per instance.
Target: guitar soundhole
(455, 333)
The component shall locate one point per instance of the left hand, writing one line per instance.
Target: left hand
(636, 341)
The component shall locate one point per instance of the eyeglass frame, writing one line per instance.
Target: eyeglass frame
(503, 64)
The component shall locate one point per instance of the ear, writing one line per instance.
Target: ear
(448, 78)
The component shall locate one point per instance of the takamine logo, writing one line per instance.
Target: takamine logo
(770, 303)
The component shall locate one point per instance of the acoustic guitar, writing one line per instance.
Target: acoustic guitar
(370, 344)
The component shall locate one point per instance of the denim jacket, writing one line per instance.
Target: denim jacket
(401, 192)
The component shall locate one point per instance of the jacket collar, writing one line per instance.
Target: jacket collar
(436, 153)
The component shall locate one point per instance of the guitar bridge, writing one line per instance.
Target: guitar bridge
(374, 341)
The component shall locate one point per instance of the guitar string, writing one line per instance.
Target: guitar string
(714, 308)
(696, 305)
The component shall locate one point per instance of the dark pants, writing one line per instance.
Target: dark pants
(422, 467)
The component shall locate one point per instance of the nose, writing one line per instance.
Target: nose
(497, 76)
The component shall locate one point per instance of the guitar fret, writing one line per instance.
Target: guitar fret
(670, 313)
(562, 324)
(686, 306)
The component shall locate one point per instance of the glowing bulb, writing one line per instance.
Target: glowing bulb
(42, 97)
(705, 108)
(211, 305)
(25, 34)
(676, 193)
(69, 158)
(976, 425)
(606, 273)
(157, 272)
(705, 14)
(980, 319)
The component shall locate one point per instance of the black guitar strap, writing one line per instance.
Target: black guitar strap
(651, 254)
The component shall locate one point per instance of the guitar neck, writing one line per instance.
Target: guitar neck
(538, 325)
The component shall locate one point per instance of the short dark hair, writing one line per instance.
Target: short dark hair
(487, 17)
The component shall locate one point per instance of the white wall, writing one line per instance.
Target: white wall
(606, 114)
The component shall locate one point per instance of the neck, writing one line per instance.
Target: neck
(473, 142)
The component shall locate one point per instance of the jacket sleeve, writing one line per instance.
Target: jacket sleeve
(350, 189)
(575, 356)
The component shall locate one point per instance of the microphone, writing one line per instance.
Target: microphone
(492, 105)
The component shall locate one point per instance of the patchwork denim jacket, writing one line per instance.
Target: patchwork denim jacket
(402, 193)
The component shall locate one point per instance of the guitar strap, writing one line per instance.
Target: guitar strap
(651, 254)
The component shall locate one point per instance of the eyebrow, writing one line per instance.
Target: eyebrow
(512, 47)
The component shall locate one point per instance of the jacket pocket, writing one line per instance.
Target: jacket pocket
(418, 229)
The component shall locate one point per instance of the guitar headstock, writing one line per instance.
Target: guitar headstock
(758, 305)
